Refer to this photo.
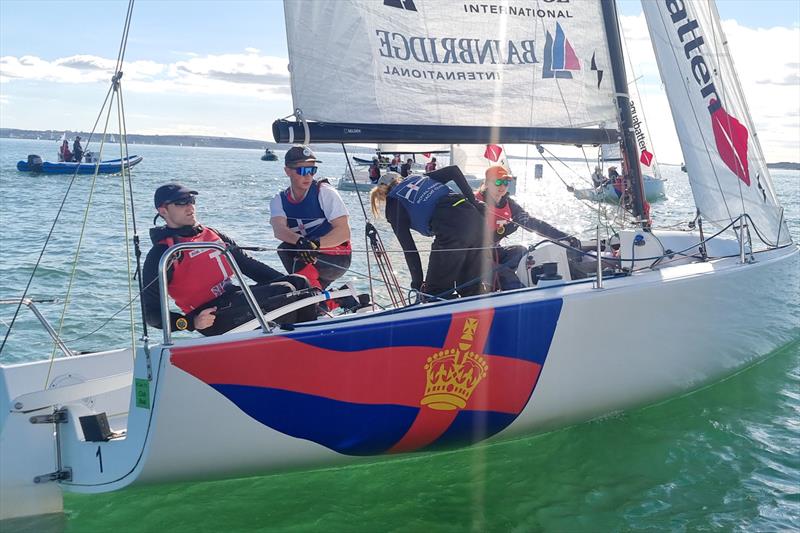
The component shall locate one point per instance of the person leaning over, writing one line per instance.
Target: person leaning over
(428, 206)
(503, 217)
(312, 221)
(200, 281)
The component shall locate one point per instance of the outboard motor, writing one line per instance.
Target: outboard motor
(34, 163)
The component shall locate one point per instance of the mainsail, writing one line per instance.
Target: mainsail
(437, 67)
(729, 176)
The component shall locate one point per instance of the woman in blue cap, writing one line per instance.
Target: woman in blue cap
(425, 204)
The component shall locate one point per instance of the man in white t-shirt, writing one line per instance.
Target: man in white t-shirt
(312, 221)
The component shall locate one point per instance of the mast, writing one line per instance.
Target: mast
(629, 150)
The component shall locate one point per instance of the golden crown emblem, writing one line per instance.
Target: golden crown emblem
(454, 373)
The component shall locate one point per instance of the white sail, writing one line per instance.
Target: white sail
(472, 158)
(610, 152)
(530, 64)
(729, 176)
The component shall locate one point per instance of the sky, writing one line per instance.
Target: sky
(218, 68)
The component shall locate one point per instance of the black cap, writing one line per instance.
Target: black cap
(171, 192)
(299, 154)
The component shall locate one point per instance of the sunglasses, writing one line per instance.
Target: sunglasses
(305, 171)
(502, 182)
(184, 201)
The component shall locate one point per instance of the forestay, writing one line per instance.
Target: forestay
(431, 62)
(728, 174)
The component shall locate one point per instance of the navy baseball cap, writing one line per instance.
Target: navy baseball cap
(299, 154)
(170, 193)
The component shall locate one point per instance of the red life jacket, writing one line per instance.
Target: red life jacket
(198, 276)
(496, 217)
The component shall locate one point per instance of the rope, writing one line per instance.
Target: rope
(109, 95)
(72, 272)
(49, 234)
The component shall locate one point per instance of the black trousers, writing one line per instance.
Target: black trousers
(506, 259)
(233, 309)
(458, 255)
(330, 267)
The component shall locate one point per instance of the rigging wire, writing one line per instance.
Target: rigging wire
(375, 244)
(671, 257)
(73, 179)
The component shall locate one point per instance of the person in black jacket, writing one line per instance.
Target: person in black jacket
(77, 150)
(201, 281)
(426, 205)
(405, 168)
(503, 217)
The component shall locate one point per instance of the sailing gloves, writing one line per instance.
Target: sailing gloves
(307, 250)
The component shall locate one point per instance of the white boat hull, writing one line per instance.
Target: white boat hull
(245, 404)
(653, 191)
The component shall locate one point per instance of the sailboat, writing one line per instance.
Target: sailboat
(664, 313)
(653, 183)
(357, 177)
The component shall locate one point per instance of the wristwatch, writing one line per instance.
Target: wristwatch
(182, 323)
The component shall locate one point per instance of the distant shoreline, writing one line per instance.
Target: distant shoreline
(155, 140)
(226, 142)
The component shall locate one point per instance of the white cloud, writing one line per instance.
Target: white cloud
(248, 74)
(73, 69)
(768, 63)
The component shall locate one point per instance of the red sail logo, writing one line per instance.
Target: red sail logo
(731, 138)
(646, 158)
(492, 152)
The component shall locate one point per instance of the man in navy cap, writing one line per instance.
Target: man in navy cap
(200, 281)
(312, 221)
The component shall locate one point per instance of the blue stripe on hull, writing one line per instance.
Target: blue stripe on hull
(348, 428)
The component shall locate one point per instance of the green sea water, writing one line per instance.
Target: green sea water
(724, 458)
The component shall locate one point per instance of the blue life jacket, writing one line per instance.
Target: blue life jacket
(419, 195)
(306, 218)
